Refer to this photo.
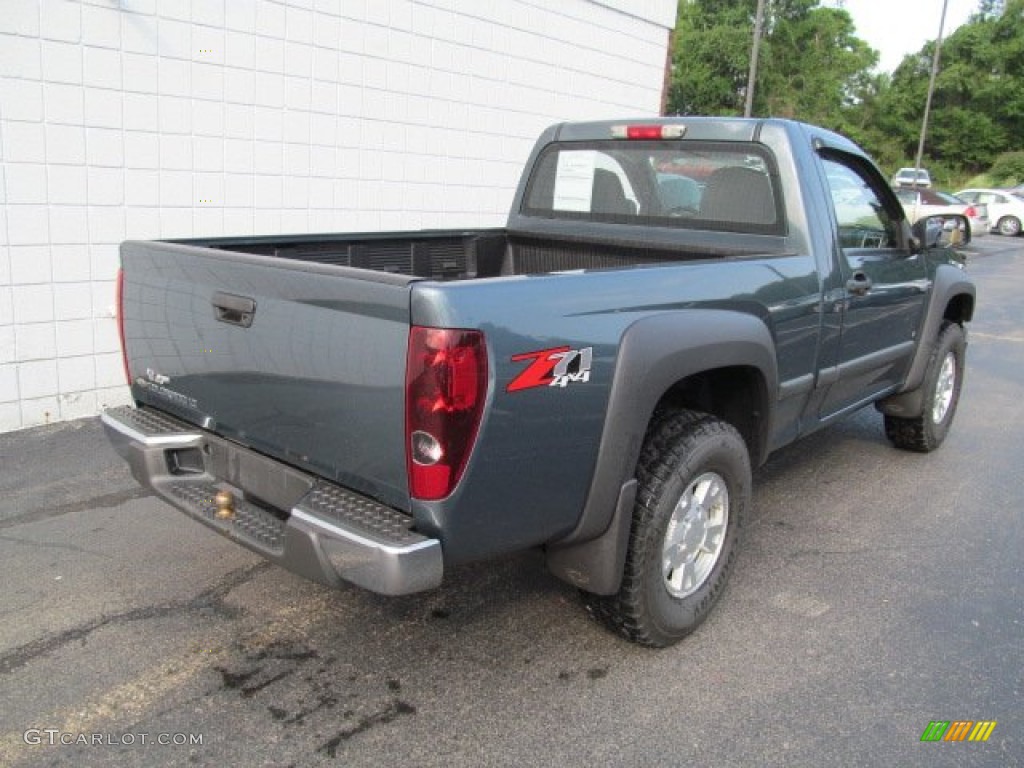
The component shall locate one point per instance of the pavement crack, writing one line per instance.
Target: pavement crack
(54, 545)
(18, 657)
(97, 502)
(22, 655)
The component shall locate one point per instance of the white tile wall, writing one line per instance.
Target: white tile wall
(8, 383)
(76, 374)
(35, 341)
(75, 337)
(175, 118)
(8, 353)
(40, 410)
(61, 21)
(29, 264)
(37, 378)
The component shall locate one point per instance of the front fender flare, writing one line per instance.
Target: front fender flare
(949, 282)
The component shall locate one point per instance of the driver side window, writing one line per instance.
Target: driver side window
(861, 216)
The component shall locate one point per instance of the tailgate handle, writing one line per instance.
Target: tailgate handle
(236, 310)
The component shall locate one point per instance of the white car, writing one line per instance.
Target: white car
(908, 178)
(1005, 211)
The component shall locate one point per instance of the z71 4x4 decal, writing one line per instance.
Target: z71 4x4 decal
(554, 367)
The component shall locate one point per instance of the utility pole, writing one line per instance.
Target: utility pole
(754, 51)
(931, 89)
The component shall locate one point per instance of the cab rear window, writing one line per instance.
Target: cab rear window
(727, 187)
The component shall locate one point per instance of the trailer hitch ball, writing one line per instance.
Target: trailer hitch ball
(224, 501)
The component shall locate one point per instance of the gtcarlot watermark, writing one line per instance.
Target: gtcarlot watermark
(53, 737)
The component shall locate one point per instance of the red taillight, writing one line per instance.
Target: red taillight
(120, 325)
(655, 132)
(445, 387)
(970, 212)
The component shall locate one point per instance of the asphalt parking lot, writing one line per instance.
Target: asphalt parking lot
(877, 591)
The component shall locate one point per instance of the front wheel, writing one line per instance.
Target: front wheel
(1009, 226)
(943, 379)
(693, 493)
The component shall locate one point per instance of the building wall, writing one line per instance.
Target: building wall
(145, 119)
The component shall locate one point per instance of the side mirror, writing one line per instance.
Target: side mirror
(942, 231)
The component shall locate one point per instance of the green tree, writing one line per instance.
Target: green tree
(814, 67)
(865, 123)
(710, 56)
(1008, 168)
(978, 103)
(812, 64)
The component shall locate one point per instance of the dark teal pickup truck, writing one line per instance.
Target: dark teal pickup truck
(671, 301)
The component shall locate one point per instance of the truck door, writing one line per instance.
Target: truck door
(884, 285)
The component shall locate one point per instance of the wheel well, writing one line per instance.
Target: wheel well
(960, 309)
(737, 395)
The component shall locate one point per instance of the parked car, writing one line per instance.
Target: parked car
(910, 178)
(1005, 210)
(919, 203)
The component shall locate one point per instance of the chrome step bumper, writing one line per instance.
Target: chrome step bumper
(311, 527)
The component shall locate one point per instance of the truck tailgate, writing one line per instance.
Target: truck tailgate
(300, 361)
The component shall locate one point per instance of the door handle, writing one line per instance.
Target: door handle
(859, 284)
(234, 310)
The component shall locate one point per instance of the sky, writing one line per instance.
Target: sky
(895, 28)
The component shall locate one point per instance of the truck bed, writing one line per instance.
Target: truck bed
(450, 255)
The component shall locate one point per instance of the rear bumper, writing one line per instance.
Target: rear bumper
(311, 527)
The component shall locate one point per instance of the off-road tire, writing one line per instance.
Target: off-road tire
(926, 432)
(680, 449)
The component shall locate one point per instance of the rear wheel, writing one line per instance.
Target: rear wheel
(942, 382)
(1009, 226)
(693, 493)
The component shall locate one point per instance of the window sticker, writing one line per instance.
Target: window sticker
(574, 180)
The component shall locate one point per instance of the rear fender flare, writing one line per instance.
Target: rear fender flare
(656, 353)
